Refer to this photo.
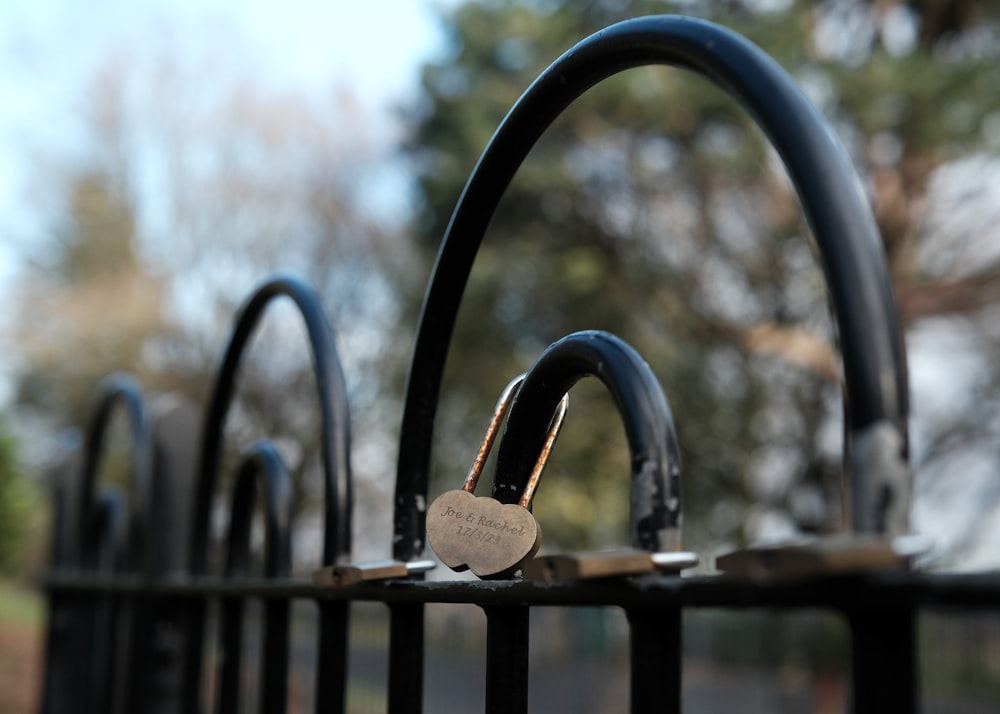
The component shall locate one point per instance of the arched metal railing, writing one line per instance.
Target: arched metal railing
(261, 470)
(335, 438)
(105, 574)
(101, 531)
(871, 339)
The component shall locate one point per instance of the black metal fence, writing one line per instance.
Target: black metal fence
(132, 597)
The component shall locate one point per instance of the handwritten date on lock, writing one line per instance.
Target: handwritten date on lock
(481, 534)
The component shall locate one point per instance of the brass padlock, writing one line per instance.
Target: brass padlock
(492, 539)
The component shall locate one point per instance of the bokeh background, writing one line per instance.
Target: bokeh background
(160, 159)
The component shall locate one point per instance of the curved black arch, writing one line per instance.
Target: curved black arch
(334, 415)
(840, 218)
(261, 467)
(117, 389)
(100, 531)
(656, 507)
(334, 446)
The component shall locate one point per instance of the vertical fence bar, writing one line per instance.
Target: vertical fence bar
(132, 656)
(158, 690)
(103, 533)
(331, 666)
(507, 659)
(98, 648)
(62, 685)
(194, 618)
(275, 661)
(228, 683)
(883, 659)
(655, 659)
(406, 658)
(262, 465)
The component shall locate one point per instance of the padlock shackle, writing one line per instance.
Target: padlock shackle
(854, 263)
(555, 426)
(656, 504)
(496, 421)
(492, 429)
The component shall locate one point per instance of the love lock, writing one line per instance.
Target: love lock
(492, 539)
(655, 456)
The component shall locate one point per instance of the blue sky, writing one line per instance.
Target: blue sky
(50, 48)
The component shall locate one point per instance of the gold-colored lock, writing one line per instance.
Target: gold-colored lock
(492, 539)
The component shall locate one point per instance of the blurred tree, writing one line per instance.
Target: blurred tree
(185, 199)
(652, 209)
(92, 299)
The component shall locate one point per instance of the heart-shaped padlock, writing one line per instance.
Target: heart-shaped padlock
(492, 539)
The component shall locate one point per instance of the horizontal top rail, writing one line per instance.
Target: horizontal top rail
(900, 589)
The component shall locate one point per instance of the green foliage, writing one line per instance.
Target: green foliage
(19, 506)
(20, 604)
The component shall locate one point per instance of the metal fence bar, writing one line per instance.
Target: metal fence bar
(969, 591)
(406, 658)
(655, 659)
(879, 606)
(105, 531)
(263, 465)
(883, 658)
(331, 666)
(100, 643)
(61, 687)
(158, 688)
(507, 659)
